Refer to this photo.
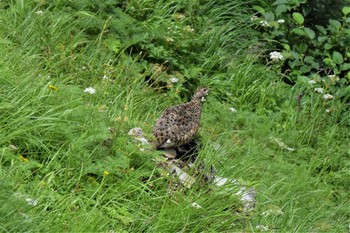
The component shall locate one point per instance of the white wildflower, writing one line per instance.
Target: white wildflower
(333, 78)
(143, 141)
(319, 90)
(281, 21)
(39, 13)
(169, 39)
(327, 97)
(196, 205)
(312, 81)
(272, 212)
(262, 228)
(232, 109)
(188, 29)
(83, 68)
(173, 80)
(32, 201)
(105, 77)
(328, 110)
(136, 132)
(179, 16)
(253, 18)
(264, 23)
(275, 56)
(90, 90)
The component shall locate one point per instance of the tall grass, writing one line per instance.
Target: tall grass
(68, 164)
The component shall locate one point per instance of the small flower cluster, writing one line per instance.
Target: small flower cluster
(321, 91)
(173, 80)
(264, 23)
(39, 13)
(276, 56)
(90, 90)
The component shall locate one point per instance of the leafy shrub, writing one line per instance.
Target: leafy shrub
(310, 49)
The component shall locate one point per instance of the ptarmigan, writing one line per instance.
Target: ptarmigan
(179, 124)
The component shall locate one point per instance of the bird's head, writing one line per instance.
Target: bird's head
(201, 92)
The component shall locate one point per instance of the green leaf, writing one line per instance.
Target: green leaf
(346, 10)
(345, 66)
(286, 46)
(304, 69)
(337, 58)
(269, 16)
(328, 46)
(298, 31)
(310, 33)
(329, 61)
(309, 59)
(343, 92)
(298, 18)
(321, 29)
(281, 9)
(259, 9)
(322, 39)
(301, 48)
(303, 79)
(335, 24)
(278, 2)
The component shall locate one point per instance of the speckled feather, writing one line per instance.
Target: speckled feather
(179, 124)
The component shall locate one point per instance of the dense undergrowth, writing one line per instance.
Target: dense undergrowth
(67, 162)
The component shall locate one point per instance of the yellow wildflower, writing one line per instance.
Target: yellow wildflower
(24, 158)
(105, 173)
(52, 87)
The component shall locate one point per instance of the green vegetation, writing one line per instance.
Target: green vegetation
(68, 164)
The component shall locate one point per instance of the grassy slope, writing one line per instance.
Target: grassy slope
(62, 155)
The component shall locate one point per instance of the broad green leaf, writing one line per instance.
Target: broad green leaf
(259, 9)
(309, 59)
(335, 23)
(337, 57)
(301, 48)
(329, 61)
(310, 33)
(322, 39)
(345, 66)
(328, 46)
(269, 16)
(303, 79)
(278, 2)
(281, 9)
(304, 69)
(298, 31)
(298, 18)
(346, 10)
(321, 29)
(286, 46)
(277, 33)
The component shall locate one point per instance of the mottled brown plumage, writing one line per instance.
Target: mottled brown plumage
(179, 124)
